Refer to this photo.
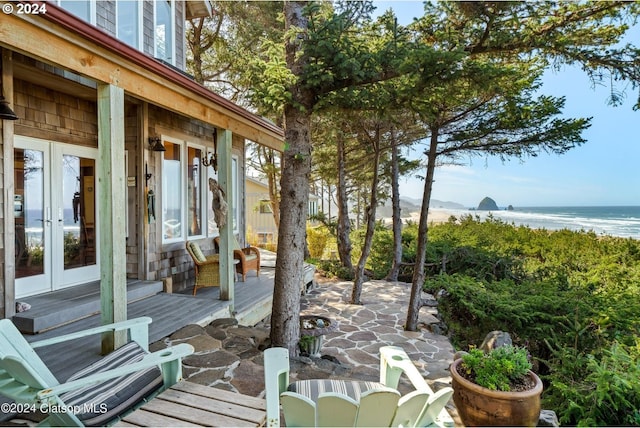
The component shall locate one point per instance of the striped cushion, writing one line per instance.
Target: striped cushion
(314, 387)
(103, 402)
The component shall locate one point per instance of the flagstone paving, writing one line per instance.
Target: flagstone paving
(229, 356)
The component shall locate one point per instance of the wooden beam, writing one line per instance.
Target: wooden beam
(69, 50)
(8, 237)
(112, 208)
(227, 276)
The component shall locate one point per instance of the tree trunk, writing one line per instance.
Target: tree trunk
(344, 223)
(395, 204)
(415, 301)
(371, 226)
(196, 49)
(268, 164)
(294, 185)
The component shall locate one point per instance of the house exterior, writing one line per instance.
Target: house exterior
(99, 87)
(261, 227)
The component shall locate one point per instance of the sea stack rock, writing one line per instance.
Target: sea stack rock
(487, 204)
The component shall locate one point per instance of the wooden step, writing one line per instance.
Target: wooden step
(61, 307)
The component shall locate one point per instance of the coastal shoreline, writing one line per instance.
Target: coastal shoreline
(626, 225)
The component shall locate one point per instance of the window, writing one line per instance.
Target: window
(81, 9)
(194, 191)
(232, 203)
(265, 206)
(212, 227)
(265, 238)
(186, 199)
(128, 27)
(171, 192)
(164, 31)
(313, 208)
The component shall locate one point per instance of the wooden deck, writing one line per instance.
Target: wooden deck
(170, 312)
(190, 404)
(54, 309)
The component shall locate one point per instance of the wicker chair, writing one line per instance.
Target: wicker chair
(207, 268)
(248, 258)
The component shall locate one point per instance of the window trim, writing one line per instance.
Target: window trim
(92, 11)
(203, 192)
(183, 201)
(139, 24)
(172, 45)
(264, 206)
(233, 203)
(235, 189)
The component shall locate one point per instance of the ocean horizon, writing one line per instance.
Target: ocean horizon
(621, 221)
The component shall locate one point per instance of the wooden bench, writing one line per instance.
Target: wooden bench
(191, 404)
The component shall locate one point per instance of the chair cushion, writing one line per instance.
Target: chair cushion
(197, 252)
(102, 402)
(249, 257)
(312, 388)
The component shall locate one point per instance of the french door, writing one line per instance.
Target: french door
(55, 214)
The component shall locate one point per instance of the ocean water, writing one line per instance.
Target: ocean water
(621, 221)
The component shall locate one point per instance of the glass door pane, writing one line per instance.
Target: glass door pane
(29, 212)
(78, 211)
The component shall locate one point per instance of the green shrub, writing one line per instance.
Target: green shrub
(333, 269)
(317, 238)
(600, 390)
(381, 256)
(573, 298)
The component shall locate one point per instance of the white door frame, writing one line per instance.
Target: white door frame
(55, 276)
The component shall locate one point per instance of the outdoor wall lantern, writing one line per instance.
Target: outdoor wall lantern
(156, 144)
(213, 158)
(5, 111)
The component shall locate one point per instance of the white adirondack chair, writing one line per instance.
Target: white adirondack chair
(98, 394)
(324, 402)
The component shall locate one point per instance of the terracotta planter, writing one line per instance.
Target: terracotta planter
(480, 406)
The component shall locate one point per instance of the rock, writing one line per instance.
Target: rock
(208, 377)
(487, 204)
(331, 358)
(245, 376)
(362, 336)
(224, 322)
(496, 339)
(214, 359)
(459, 354)
(185, 332)
(548, 418)
(202, 343)
(216, 332)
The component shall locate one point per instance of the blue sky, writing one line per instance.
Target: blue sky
(603, 171)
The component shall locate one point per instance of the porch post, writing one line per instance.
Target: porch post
(111, 205)
(226, 233)
(8, 244)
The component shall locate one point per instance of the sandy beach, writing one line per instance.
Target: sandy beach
(436, 216)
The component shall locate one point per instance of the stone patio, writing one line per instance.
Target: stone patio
(229, 356)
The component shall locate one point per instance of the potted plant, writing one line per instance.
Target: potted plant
(496, 388)
(312, 331)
